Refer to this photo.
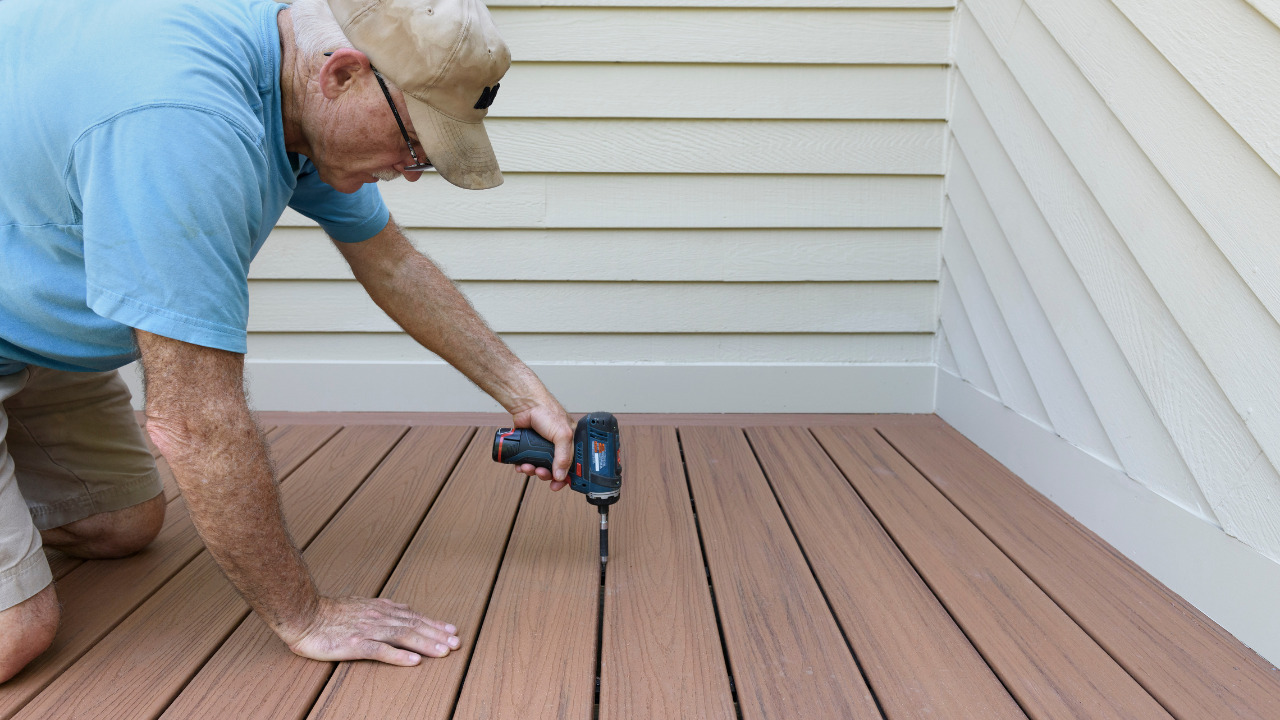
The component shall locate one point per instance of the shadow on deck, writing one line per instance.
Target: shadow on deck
(762, 567)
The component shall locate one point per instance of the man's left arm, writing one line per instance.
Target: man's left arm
(415, 293)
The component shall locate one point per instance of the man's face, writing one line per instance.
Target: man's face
(359, 140)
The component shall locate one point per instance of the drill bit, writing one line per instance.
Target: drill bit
(604, 534)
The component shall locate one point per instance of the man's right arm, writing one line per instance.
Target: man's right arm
(198, 417)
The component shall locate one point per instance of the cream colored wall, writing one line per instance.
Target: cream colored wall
(1111, 265)
(695, 190)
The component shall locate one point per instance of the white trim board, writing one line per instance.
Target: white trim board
(1227, 580)
(617, 387)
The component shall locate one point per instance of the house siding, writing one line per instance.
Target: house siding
(1112, 200)
(694, 186)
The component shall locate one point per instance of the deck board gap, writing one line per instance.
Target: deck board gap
(1065, 611)
(809, 564)
(923, 578)
(484, 614)
(711, 588)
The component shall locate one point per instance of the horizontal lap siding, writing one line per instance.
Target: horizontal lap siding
(1113, 185)
(717, 182)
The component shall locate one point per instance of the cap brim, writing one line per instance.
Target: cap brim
(460, 151)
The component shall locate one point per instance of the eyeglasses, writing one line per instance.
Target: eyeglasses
(418, 165)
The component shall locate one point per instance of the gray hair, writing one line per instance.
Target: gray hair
(315, 30)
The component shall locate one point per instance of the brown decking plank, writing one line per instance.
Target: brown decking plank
(661, 654)
(636, 419)
(136, 669)
(1193, 666)
(353, 555)
(1046, 661)
(60, 563)
(448, 573)
(916, 659)
(785, 649)
(536, 653)
(100, 593)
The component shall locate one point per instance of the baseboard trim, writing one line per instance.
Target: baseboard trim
(617, 387)
(1225, 579)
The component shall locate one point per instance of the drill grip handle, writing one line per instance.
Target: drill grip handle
(516, 446)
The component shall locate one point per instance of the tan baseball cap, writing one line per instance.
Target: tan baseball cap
(447, 58)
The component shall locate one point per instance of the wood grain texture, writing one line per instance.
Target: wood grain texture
(353, 347)
(897, 37)
(60, 563)
(412, 419)
(165, 641)
(1069, 406)
(1179, 247)
(1166, 351)
(1046, 661)
(658, 89)
(660, 650)
(1008, 369)
(1151, 456)
(1195, 668)
(352, 556)
(915, 658)
(535, 656)
(819, 147)
(101, 593)
(1175, 112)
(661, 255)
(577, 200)
(954, 319)
(447, 572)
(786, 652)
(335, 305)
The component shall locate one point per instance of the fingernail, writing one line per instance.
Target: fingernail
(450, 629)
(453, 642)
(415, 658)
(441, 648)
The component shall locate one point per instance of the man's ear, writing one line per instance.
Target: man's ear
(341, 70)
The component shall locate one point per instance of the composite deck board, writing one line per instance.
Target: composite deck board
(814, 531)
(917, 661)
(101, 593)
(447, 573)
(1184, 659)
(660, 651)
(535, 655)
(352, 556)
(1046, 661)
(786, 652)
(162, 644)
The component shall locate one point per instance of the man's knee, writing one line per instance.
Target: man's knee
(110, 534)
(26, 630)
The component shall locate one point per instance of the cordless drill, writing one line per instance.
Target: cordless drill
(596, 470)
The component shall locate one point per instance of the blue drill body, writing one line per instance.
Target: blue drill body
(596, 470)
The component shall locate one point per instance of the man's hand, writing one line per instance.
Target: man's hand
(372, 629)
(550, 421)
(198, 416)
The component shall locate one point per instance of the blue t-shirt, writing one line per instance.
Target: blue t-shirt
(142, 165)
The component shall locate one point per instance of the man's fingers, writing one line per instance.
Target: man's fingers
(383, 652)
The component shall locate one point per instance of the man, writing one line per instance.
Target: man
(149, 147)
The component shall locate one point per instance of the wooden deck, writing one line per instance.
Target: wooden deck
(762, 567)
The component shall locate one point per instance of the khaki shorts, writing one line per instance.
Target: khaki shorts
(70, 447)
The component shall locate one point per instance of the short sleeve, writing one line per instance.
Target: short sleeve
(171, 199)
(352, 217)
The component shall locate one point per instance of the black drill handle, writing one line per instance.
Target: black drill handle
(516, 446)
